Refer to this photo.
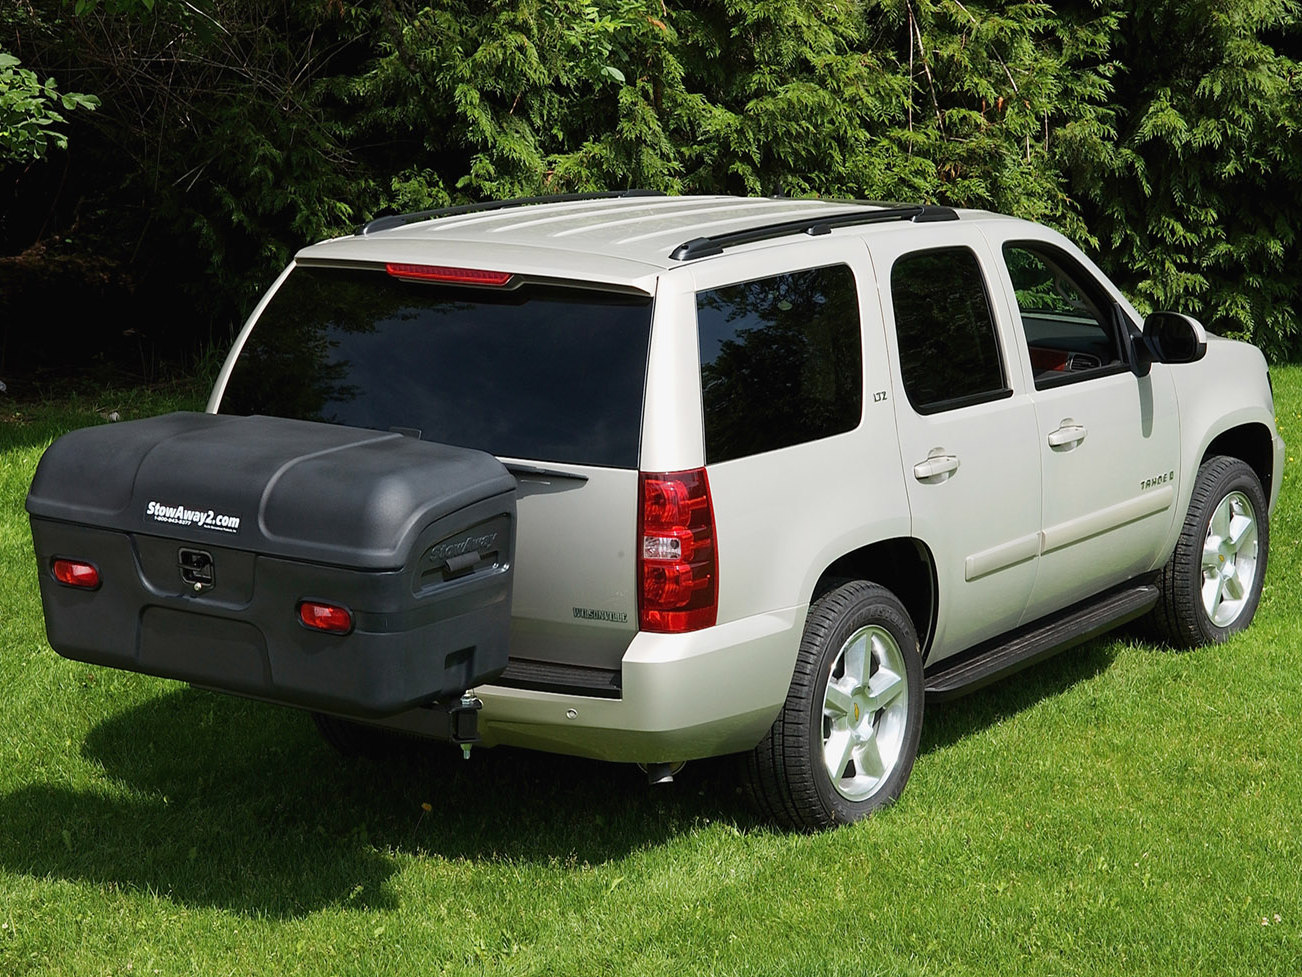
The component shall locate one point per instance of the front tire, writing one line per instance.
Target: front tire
(1211, 586)
(844, 744)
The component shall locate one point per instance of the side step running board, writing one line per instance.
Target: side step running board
(996, 659)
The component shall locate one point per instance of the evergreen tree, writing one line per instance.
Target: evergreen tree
(233, 131)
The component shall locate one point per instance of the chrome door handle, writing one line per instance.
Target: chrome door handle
(935, 466)
(1068, 435)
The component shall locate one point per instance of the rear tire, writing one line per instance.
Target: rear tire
(844, 743)
(1211, 585)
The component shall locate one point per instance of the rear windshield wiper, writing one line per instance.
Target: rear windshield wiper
(516, 469)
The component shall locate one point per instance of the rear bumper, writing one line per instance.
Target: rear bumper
(684, 696)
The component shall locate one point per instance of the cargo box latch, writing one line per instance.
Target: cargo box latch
(197, 569)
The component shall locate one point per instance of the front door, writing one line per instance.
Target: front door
(1108, 440)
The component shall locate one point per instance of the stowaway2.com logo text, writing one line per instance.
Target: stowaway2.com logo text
(179, 515)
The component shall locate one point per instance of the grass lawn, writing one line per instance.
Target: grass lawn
(1118, 809)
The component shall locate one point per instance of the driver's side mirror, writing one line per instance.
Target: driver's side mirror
(1175, 338)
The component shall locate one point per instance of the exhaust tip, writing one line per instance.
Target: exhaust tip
(661, 773)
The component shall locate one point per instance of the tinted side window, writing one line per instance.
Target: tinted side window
(781, 361)
(949, 355)
(1067, 317)
(537, 372)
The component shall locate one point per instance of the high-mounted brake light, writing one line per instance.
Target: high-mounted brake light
(76, 573)
(678, 565)
(446, 273)
(330, 618)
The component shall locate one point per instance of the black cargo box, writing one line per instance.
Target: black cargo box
(207, 534)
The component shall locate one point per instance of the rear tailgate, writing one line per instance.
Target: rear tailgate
(548, 376)
(575, 598)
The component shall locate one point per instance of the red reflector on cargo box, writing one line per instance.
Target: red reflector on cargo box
(445, 273)
(330, 618)
(75, 573)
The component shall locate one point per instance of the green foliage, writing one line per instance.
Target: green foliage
(29, 112)
(1164, 134)
(214, 138)
(1196, 190)
(933, 102)
(82, 7)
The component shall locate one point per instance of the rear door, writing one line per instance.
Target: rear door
(968, 438)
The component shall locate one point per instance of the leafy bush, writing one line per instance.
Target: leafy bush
(29, 112)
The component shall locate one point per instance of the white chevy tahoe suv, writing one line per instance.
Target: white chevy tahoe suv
(785, 468)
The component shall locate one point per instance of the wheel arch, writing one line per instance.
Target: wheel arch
(1253, 444)
(904, 566)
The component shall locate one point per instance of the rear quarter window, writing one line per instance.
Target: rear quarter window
(781, 361)
(538, 372)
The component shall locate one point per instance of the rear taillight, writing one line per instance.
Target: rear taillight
(446, 273)
(76, 573)
(678, 565)
(330, 618)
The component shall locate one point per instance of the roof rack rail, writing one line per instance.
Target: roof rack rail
(703, 247)
(398, 220)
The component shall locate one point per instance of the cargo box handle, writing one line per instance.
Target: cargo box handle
(458, 565)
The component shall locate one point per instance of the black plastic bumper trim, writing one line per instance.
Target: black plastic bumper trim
(521, 673)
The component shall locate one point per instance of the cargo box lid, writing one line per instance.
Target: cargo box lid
(298, 489)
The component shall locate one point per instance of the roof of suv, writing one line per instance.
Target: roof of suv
(619, 237)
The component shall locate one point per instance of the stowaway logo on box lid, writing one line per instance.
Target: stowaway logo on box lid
(478, 545)
(179, 515)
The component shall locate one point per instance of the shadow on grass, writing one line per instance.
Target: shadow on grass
(215, 801)
(948, 722)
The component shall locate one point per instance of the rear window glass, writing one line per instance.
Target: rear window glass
(781, 361)
(949, 356)
(537, 372)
